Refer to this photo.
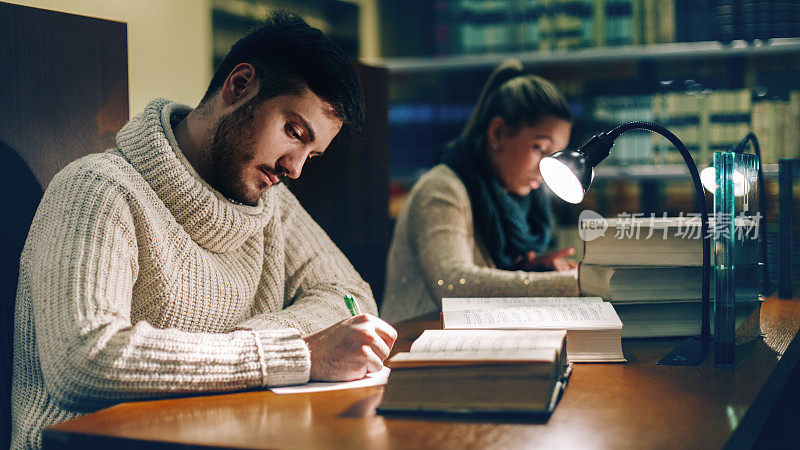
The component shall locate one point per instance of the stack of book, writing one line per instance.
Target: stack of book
(651, 271)
(502, 355)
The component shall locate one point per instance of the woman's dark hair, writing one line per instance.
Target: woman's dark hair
(288, 55)
(519, 98)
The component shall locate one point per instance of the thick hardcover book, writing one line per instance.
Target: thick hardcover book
(671, 319)
(479, 372)
(639, 284)
(675, 241)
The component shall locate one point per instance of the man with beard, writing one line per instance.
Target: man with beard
(176, 263)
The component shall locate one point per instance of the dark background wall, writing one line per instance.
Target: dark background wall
(63, 94)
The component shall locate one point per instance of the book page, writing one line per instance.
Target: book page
(570, 317)
(489, 341)
(461, 304)
(420, 359)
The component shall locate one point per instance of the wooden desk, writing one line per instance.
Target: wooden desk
(638, 404)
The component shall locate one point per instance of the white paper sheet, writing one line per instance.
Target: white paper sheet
(372, 379)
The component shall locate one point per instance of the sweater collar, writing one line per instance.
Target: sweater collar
(213, 222)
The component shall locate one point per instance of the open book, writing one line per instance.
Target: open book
(594, 331)
(468, 371)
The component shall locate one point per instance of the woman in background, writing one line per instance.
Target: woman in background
(479, 225)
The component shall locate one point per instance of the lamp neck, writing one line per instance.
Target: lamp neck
(597, 148)
(705, 330)
(740, 147)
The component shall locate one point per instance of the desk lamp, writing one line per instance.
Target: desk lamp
(568, 174)
(709, 178)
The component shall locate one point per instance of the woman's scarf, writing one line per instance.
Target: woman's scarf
(510, 225)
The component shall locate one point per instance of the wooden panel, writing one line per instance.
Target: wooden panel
(347, 191)
(64, 87)
(63, 94)
(635, 405)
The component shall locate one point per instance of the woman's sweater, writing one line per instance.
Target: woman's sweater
(436, 252)
(139, 280)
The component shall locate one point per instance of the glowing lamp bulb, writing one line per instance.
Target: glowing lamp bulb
(561, 180)
(708, 177)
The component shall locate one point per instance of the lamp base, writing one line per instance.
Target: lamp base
(691, 352)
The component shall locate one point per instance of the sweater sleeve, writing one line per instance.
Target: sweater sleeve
(81, 266)
(318, 276)
(441, 227)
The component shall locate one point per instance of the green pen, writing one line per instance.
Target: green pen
(352, 305)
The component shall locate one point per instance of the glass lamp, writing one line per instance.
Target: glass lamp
(709, 178)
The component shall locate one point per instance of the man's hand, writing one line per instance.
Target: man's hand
(349, 349)
(555, 260)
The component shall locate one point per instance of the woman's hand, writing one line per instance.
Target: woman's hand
(555, 260)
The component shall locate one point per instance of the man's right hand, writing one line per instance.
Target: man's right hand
(349, 349)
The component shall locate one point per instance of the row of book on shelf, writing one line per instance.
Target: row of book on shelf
(473, 26)
(705, 123)
(468, 26)
(715, 121)
(515, 355)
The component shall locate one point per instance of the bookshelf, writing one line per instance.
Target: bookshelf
(710, 94)
(662, 172)
(481, 26)
(632, 53)
(232, 19)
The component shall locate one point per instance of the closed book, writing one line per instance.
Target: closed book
(593, 328)
(675, 241)
(465, 372)
(641, 283)
(649, 320)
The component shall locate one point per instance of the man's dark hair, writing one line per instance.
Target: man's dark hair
(288, 55)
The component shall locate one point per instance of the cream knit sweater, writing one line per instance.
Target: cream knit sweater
(138, 280)
(436, 252)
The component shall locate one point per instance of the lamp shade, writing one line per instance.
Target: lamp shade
(568, 174)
